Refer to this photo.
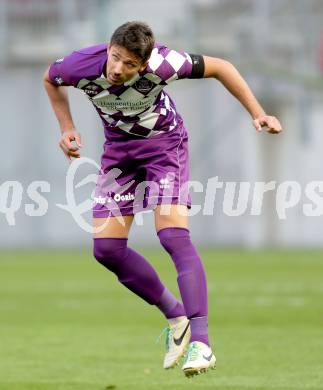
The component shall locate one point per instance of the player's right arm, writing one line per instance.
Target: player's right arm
(59, 100)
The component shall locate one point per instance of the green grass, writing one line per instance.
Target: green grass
(65, 323)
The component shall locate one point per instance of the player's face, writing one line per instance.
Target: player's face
(122, 65)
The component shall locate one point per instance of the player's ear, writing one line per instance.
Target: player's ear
(143, 66)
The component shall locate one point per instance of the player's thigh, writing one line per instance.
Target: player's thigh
(171, 215)
(112, 227)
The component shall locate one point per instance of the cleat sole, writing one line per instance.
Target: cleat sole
(190, 372)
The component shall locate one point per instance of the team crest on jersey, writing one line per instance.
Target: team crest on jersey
(92, 89)
(144, 85)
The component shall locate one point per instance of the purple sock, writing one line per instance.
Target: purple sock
(191, 277)
(199, 329)
(134, 272)
(170, 306)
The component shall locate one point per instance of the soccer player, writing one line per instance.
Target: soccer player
(146, 141)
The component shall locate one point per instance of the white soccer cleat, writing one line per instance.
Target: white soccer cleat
(198, 359)
(177, 339)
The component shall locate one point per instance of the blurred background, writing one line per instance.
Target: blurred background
(276, 44)
(64, 322)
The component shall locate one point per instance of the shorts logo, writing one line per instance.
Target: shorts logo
(164, 183)
(116, 198)
(99, 200)
(144, 85)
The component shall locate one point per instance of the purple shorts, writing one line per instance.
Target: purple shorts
(139, 174)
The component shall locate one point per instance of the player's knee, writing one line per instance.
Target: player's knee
(110, 252)
(174, 239)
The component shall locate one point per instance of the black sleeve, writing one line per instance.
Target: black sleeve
(198, 66)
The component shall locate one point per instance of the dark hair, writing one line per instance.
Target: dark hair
(136, 37)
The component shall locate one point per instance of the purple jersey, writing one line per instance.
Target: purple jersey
(139, 107)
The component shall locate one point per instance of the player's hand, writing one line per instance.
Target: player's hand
(66, 145)
(270, 123)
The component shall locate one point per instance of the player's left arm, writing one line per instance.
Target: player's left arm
(229, 76)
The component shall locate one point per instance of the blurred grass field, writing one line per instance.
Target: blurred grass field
(67, 324)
